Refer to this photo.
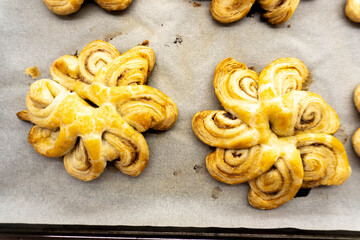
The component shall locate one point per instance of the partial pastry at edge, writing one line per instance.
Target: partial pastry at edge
(113, 5)
(228, 11)
(63, 7)
(356, 136)
(66, 7)
(278, 11)
(352, 10)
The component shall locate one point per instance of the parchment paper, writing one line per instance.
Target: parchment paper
(175, 189)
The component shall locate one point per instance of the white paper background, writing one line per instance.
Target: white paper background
(36, 189)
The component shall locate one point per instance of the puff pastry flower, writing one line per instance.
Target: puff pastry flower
(277, 11)
(66, 7)
(272, 134)
(352, 10)
(95, 109)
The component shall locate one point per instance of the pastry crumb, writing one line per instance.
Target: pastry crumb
(178, 39)
(196, 4)
(177, 172)
(215, 193)
(289, 26)
(252, 68)
(144, 43)
(197, 168)
(33, 72)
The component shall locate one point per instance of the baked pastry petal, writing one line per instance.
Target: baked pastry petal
(324, 159)
(63, 7)
(234, 166)
(280, 77)
(221, 129)
(352, 10)
(133, 67)
(301, 112)
(93, 57)
(278, 11)
(281, 183)
(143, 107)
(227, 11)
(236, 87)
(113, 5)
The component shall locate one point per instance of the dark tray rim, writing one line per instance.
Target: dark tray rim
(36, 231)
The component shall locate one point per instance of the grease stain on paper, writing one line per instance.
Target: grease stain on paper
(198, 168)
(111, 36)
(342, 135)
(177, 172)
(216, 192)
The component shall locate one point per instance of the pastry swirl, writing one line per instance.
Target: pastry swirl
(234, 166)
(221, 129)
(133, 67)
(278, 11)
(88, 136)
(273, 135)
(93, 57)
(281, 183)
(63, 7)
(113, 5)
(66, 7)
(352, 10)
(282, 76)
(324, 159)
(228, 11)
(303, 112)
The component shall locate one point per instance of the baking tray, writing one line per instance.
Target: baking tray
(175, 189)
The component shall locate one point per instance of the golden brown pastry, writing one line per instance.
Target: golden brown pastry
(324, 159)
(352, 10)
(228, 11)
(63, 7)
(240, 165)
(93, 57)
(113, 5)
(356, 136)
(33, 72)
(90, 135)
(66, 7)
(278, 11)
(272, 134)
(281, 182)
